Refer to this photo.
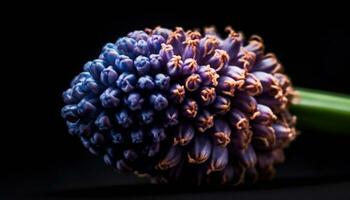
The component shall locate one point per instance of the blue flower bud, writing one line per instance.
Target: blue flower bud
(117, 137)
(94, 68)
(97, 139)
(68, 98)
(78, 91)
(80, 78)
(171, 116)
(70, 113)
(141, 48)
(127, 82)
(125, 46)
(155, 42)
(134, 101)
(110, 98)
(142, 65)
(158, 101)
(162, 81)
(87, 108)
(108, 76)
(136, 136)
(91, 86)
(138, 35)
(147, 116)
(110, 55)
(145, 83)
(124, 118)
(156, 62)
(124, 64)
(103, 122)
(157, 134)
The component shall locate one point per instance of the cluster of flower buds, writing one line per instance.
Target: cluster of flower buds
(184, 106)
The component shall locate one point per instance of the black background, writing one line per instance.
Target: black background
(50, 44)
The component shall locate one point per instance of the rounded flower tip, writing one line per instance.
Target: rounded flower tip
(184, 106)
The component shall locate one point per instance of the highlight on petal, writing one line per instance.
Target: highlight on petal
(127, 82)
(183, 135)
(200, 150)
(108, 76)
(218, 159)
(110, 98)
(171, 159)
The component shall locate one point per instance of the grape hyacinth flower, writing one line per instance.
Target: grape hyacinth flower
(184, 107)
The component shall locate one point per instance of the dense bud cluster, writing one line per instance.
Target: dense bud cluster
(184, 106)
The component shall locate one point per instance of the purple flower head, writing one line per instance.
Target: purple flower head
(184, 106)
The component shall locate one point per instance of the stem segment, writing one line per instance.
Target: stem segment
(322, 111)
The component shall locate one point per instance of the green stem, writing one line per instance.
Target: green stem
(323, 111)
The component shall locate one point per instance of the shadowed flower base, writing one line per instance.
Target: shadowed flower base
(184, 107)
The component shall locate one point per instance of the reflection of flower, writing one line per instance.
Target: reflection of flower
(182, 106)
